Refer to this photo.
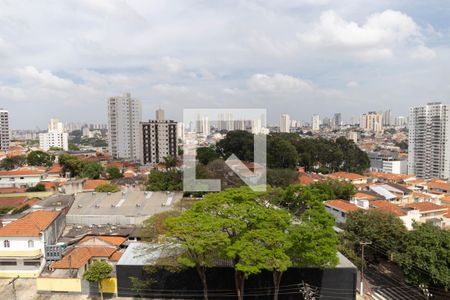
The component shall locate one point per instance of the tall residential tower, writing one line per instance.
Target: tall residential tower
(55, 137)
(4, 129)
(429, 141)
(124, 116)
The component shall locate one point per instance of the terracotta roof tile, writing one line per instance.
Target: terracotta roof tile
(342, 205)
(113, 240)
(346, 175)
(425, 206)
(79, 256)
(30, 225)
(91, 184)
(388, 207)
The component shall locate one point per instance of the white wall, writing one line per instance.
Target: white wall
(20, 180)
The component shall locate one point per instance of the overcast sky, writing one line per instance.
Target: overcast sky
(64, 58)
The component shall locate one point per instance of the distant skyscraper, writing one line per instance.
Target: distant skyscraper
(285, 123)
(180, 131)
(4, 129)
(124, 117)
(387, 118)
(429, 141)
(315, 123)
(372, 121)
(337, 120)
(55, 137)
(160, 114)
(203, 125)
(159, 140)
(400, 121)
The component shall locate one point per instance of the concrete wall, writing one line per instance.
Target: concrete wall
(58, 285)
(19, 181)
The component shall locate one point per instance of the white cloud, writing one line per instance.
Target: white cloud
(379, 37)
(278, 83)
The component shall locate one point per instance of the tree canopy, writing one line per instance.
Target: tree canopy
(91, 170)
(107, 188)
(98, 271)
(170, 180)
(40, 158)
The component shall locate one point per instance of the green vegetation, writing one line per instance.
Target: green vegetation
(10, 163)
(98, 271)
(40, 158)
(155, 226)
(5, 209)
(170, 180)
(287, 150)
(281, 177)
(73, 147)
(54, 148)
(113, 173)
(237, 225)
(91, 170)
(71, 164)
(206, 155)
(107, 188)
(37, 188)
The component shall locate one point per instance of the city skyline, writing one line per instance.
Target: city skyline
(253, 54)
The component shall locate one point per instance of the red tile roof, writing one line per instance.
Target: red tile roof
(389, 176)
(91, 184)
(425, 206)
(113, 240)
(388, 207)
(12, 190)
(79, 256)
(341, 205)
(55, 169)
(22, 172)
(346, 175)
(30, 225)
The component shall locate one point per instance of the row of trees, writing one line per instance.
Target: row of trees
(34, 158)
(237, 225)
(93, 170)
(423, 254)
(288, 150)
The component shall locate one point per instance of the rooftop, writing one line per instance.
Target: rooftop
(342, 205)
(31, 224)
(346, 175)
(79, 256)
(426, 206)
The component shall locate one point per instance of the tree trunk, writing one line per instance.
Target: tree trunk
(239, 281)
(276, 283)
(202, 274)
(100, 290)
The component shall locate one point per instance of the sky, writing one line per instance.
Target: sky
(65, 58)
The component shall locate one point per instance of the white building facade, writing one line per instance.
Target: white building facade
(55, 136)
(285, 123)
(124, 117)
(316, 123)
(429, 141)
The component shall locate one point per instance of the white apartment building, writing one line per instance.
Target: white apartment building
(429, 141)
(55, 136)
(395, 166)
(372, 121)
(124, 117)
(159, 140)
(4, 129)
(315, 123)
(285, 123)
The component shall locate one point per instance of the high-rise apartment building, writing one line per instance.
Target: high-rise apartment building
(124, 117)
(429, 141)
(285, 123)
(4, 129)
(337, 120)
(387, 118)
(56, 137)
(315, 123)
(160, 115)
(159, 140)
(372, 121)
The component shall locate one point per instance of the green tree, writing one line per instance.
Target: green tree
(281, 177)
(281, 153)
(239, 143)
(155, 226)
(10, 163)
(71, 164)
(107, 188)
(382, 228)
(206, 154)
(40, 158)
(73, 147)
(37, 188)
(201, 236)
(170, 180)
(170, 162)
(97, 272)
(425, 256)
(91, 170)
(113, 173)
(54, 148)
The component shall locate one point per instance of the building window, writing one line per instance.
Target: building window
(6, 243)
(30, 244)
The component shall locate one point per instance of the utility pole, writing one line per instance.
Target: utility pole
(13, 282)
(362, 266)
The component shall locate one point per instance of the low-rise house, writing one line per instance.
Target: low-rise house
(429, 212)
(349, 177)
(22, 242)
(339, 209)
(89, 185)
(407, 216)
(437, 186)
(24, 177)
